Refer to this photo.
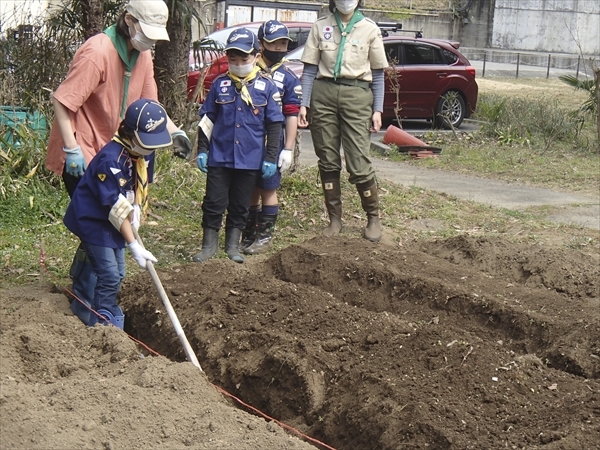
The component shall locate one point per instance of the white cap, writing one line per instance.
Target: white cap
(152, 15)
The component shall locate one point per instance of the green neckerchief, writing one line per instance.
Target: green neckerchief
(356, 17)
(269, 70)
(120, 44)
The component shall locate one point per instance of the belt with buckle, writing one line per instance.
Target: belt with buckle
(349, 82)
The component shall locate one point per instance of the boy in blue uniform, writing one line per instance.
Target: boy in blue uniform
(242, 109)
(258, 234)
(107, 204)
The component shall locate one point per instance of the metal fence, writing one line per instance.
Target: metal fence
(529, 65)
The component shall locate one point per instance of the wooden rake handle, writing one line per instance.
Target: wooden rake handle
(189, 352)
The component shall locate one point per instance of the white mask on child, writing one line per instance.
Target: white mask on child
(241, 71)
(141, 150)
(346, 6)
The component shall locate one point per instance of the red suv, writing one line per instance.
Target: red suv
(436, 81)
(213, 63)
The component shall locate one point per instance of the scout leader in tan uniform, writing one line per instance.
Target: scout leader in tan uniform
(342, 87)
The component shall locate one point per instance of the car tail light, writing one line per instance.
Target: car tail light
(471, 70)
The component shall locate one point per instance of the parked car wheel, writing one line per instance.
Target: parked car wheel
(450, 110)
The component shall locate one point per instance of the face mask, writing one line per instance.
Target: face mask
(241, 71)
(346, 6)
(141, 150)
(273, 56)
(140, 42)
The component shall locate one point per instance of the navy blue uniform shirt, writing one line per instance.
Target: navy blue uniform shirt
(239, 132)
(110, 173)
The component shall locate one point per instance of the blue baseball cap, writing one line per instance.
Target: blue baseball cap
(272, 30)
(148, 120)
(243, 40)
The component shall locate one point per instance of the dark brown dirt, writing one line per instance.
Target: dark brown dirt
(467, 343)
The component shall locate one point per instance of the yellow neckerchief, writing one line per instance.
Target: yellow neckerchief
(141, 171)
(242, 84)
(269, 70)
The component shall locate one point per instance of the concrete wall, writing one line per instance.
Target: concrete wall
(554, 26)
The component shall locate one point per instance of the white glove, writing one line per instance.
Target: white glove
(135, 218)
(140, 254)
(285, 160)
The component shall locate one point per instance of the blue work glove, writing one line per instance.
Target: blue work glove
(202, 160)
(182, 147)
(75, 161)
(268, 169)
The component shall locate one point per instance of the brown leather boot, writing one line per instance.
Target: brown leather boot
(370, 204)
(333, 201)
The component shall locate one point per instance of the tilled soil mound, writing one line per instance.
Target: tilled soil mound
(462, 343)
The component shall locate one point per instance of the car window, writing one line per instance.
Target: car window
(393, 54)
(449, 57)
(417, 53)
(299, 37)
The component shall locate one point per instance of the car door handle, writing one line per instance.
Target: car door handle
(442, 74)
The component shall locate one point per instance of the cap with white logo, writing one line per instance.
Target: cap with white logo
(243, 40)
(148, 120)
(272, 30)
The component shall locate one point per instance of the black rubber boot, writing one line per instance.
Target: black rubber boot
(333, 201)
(232, 244)
(264, 235)
(210, 245)
(249, 233)
(370, 204)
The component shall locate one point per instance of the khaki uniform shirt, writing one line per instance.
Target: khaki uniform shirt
(363, 50)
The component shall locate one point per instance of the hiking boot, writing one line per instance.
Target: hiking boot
(210, 245)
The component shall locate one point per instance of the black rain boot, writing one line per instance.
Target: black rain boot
(264, 235)
(249, 233)
(232, 244)
(210, 245)
(333, 201)
(370, 204)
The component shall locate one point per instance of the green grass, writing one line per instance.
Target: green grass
(559, 168)
(173, 232)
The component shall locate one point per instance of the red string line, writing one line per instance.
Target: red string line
(155, 353)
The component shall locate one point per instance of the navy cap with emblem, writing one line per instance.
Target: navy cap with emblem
(243, 40)
(148, 120)
(272, 30)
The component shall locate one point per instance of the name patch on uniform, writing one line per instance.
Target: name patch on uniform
(102, 176)
(122, 182)
(114, 170)
(327, 31)
(278, 76)
(260, 85)
(225, 83)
